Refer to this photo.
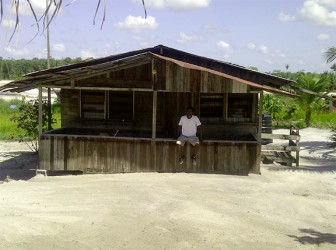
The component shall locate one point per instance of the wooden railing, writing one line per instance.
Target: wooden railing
(282, 153)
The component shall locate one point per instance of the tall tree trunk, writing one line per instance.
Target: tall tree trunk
(308, 116)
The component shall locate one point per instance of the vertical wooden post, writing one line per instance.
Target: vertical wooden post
(261, 97)
(154, 114)
(49, 109)
(40, 112)
(48, 61)
(154, 159)
(258, 159)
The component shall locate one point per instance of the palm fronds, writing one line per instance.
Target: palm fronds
(330, 54)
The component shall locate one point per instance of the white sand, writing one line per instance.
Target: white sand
(284, 208)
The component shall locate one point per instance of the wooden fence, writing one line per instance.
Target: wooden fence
(282, 153)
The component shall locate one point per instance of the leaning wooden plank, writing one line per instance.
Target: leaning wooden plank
(280, 148)
(279, 136)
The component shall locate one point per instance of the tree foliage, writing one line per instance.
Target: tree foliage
(330, 54)
(27, 120)
(307, 101)
(15, 69)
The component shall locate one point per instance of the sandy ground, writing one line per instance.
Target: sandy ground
(283, 208)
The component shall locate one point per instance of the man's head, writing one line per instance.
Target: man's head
(190, 111)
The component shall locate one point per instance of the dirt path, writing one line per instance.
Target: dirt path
(284, 208)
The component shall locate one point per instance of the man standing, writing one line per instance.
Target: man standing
(188, 129)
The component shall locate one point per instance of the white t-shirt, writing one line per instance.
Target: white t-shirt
(189, 126)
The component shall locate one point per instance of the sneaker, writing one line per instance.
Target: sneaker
(194, 160)
(181, 160)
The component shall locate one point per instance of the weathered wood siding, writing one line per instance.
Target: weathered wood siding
(168, 77)
(174, 78)
(70, 110)
(127, 155)
(132, 77)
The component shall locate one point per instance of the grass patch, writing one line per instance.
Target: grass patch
(324, 120)
(8, 128)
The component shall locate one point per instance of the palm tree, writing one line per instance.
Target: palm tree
(53, 7)
(330, 54)
(308, 84)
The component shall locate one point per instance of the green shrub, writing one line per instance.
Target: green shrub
(27, 119)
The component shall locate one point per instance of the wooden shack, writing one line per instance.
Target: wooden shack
(120, 113)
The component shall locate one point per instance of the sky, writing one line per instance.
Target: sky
(266, 34)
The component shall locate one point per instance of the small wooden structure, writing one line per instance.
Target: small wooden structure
(282, 153)
(120, 113)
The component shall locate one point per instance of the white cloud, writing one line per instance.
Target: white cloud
(263, 49)
(279, 54)
(330, 3)
(39, 7)
(225, 47)
(285, 18)
(138, 23)
(59, 47)
(319, 12)
(87, 54)
(251, 46)
(8, 24)
(185, 38)
(17, 53)
(322, 37)
(178, 5)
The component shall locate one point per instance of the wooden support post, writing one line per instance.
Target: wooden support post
(154, 114)
(49, 109)
(295, 131)
(154, 87)
(261, 98)
(40, 112)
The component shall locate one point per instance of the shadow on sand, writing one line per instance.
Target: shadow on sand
(313, 237)
(18, 165)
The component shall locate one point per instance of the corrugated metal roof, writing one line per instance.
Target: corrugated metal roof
(138, 57)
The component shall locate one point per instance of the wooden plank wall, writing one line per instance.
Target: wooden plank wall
(133, 77)
(70, 110)
(118, 155)
(174, 78)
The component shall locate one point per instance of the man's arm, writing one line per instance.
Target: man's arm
(179, 130)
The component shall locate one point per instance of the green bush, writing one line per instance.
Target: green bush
(27, 119)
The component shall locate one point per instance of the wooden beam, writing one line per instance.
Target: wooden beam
(154, 115)
(103, 88)
(261, 98)
(40, 111)
(95, 82)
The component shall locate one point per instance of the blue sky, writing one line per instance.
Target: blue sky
(267, 34)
